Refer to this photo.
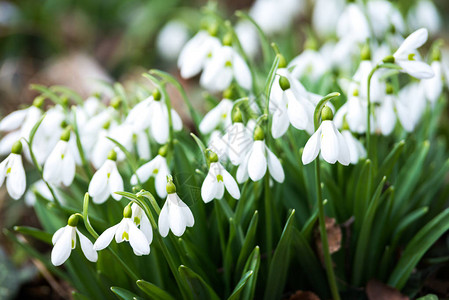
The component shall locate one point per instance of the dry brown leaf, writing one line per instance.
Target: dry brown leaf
(377, 290)
(301, 295)
(334, 236)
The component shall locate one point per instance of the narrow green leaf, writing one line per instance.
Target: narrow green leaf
(252, 264)
(428, 297)
(124, 294)
(390, 161)
(280, 263)
(153, 291)
(199, 289)
(129, 158)
(34, 129)
(248, 243)
(240, 286)
(78, 296)
(34, 232)
(47, 93)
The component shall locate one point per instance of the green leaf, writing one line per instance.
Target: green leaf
(240, 286)
(198, 287)
(252, 264)
(34, 232)
(417, 247)
(362, 194)
(129, 158)
(34, 129)
(428, 297)
(280, 263)
(390, 161)
(248, 243)
(69, 92)
(153, 291)
(124, 294)
(78, 296)
(47, 93)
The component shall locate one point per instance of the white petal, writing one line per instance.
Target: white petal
(241, 72)
(280, 122)
(99, 181)
(412, 42)
(161, 181)
(211, 119)
(52, 165)
(58, 234)
(121, 229)
(343, 152)
(275, 167)
(176, 120)
(145, 171)
(209, 187)
(312, 147)
(416, 69)
(186, 212)
(105, 238)
(176, 217)
(115, 184)
(63, 247)
(87, 247)
(16, 181)
(138, 241)
(230, 184)
(68, 168)
(159, 125)
(242, 171)
(329, 142)
(146, 228)
(386, 116)
(297, 113)
(257, 163)
(14, 120)
(163, 221)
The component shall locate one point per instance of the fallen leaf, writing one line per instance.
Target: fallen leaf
(301, 295)
(377, 290)
(334, 236)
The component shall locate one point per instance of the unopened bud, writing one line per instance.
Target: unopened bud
(38, 101)
(284, 83)
(17, 148)
(157, 95)
(388, 59)
(65, 136)
(365, 54)
(327, 114)
(171, 188)
(237, 116)
(163, 151)
(259, 134)
(227, 39)
(73, 220)
(112, 155)
(116, 102)
(211, 156)
(213, 29)
(127, 212)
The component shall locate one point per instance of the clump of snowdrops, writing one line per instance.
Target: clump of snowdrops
(134, 202)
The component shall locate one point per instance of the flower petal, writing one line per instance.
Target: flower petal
(105, 238)
(209, 187)
(57, 234)
(312, 147)
(329, 142)
(230, 184)
(163, 221)
(63, 247)
(138, 241)
(87, 247)
(412, 42)
(416, 68)
(16, 181)
(275, 167)
(257, 162)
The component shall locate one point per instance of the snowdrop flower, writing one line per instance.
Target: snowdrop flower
(327, 139)
(309, 63)
(247, 32)
(433, 87)
(256, 161)
(385, 16)
(106, 181)
(325, 16)
(157, 168)
(405, 56)
(354, 112)
(140, 219)
(217, 180)
(152, 113)
(221, 114)
(41, 188)
(64, 240)
(196, 54)
(171, 39)
(356, 149)
(175, 214)
(59, 167)
(127, 231)
(289, 104)
(224, 66)
(424, 15)
(237, 140)
(12, 170)
(353, 23)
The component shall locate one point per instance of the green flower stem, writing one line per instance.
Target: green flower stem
(268, 217)
(80, 147)
(321, 217)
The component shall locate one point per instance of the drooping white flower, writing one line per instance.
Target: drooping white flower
(433, 87)
(356, 149)
(258, 160)
(410, 105)
(354, 112)
(329, 140)
(237, 141)
(247, 32)
(11, 169)
(127, 231)
(225, 65)
(289, 104)
(195, 55)
(106, 181)
(424, 15)
(405, 55)
(309, 63)
(221, 114)
(385, 16)
(325, 16)
(175, 214)
(171, 39)
(59, 168)
(217, 179)
(157, 168)
(140, 219)
(353, 23)
(64, 240)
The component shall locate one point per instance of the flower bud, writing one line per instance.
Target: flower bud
(171, 188)
(365, 54)
(229, 93)
(65, 136)
(116, 102)
(112, 155)
(73, 220)
(127, 211)
(17, 148)
(65, 101)
(156, 94)
(227, 39)
(38, 101)
(213, 29)
(327, 114)
(259, 135)
(436, 54)
(237, 116)
(388, 59)
(163, 151)
(389, 89)
(107, 124)
(284, 83)
(212, 157)
(311, 44)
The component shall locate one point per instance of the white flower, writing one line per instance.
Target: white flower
(424, 14)
(158, 168)
(309, 63)
(256, 162)
(404, 56)
(410, 105)
(221, 114)
(140, 219)
(175, 214)
(12, 170)
(236, 142)
(356, 149)
(59, 167)
(289, 104)
(354, 111)
(42, 189)
(385, 16)
(64, 240)
(433, 87)
(196, 54)
(106, 181)
(225, 65)
(216, 181)
(353, 23)
(126, 230)
(385, 115)
(325, 16)
(331, 143)
(171, 39)
(247, 32)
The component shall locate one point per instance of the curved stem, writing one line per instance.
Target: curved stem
(368, 111)
(324, 242)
